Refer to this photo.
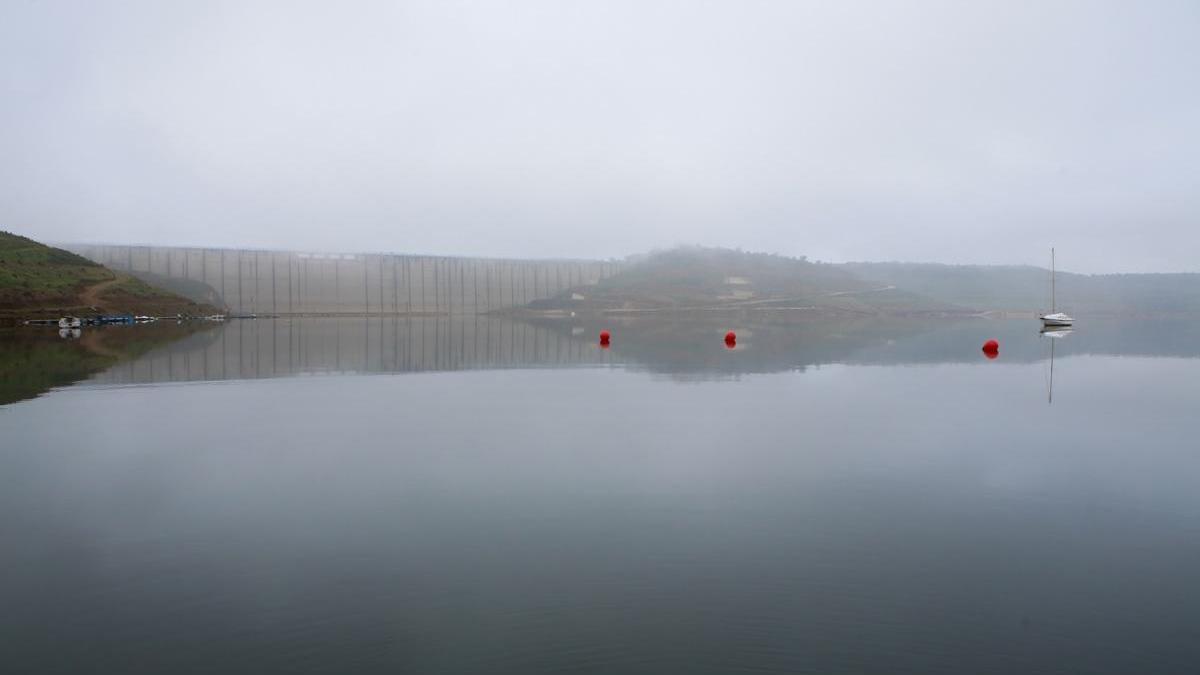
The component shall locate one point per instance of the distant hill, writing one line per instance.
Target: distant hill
(693, 278)
(42, 281)
(1026, 289)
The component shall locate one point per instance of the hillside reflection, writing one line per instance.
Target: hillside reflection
(36, 359)
(682, 348)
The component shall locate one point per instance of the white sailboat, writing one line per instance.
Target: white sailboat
(1055, 317)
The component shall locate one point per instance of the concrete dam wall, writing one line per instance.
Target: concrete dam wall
(289, 282)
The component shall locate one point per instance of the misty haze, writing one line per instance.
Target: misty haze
(542, 337)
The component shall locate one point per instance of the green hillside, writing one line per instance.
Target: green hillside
(31, 273)
(42, 281)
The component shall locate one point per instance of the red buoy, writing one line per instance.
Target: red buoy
(605, 336)
(730, 339)
(991, 349)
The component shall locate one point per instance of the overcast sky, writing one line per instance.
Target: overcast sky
(946, 131)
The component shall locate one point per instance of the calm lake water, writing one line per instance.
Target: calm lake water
(485, 496)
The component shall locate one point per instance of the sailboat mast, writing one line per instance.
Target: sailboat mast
(1052, 275)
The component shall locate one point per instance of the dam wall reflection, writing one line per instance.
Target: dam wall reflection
(682, 349)
(248, 349)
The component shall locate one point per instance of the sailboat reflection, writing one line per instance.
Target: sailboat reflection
(1055, 334)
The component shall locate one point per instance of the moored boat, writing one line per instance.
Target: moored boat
(1055, 318)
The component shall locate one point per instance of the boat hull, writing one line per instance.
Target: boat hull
(1057, 320)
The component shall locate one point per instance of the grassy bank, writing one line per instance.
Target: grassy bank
(39, 281)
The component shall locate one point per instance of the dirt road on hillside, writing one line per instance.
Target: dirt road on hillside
(91, 295)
